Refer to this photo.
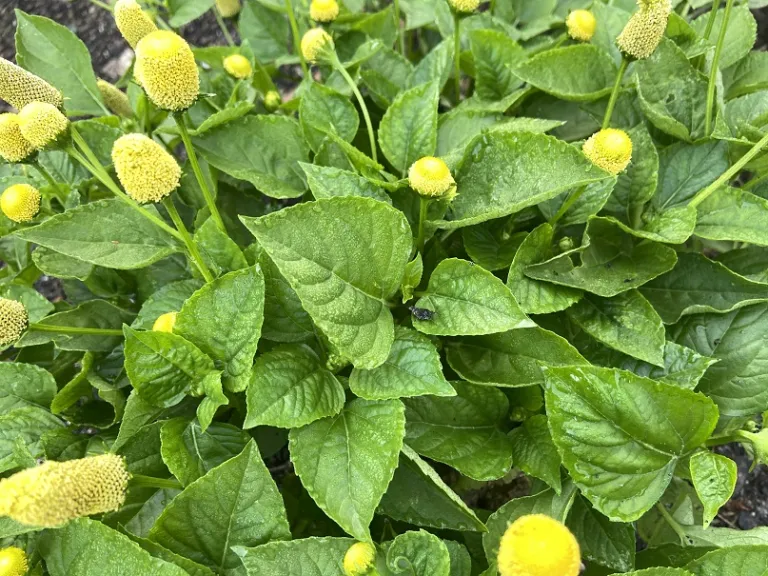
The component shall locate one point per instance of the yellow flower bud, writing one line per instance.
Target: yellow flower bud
(165, 322)
(20, 202)
(314, 44)
(228, 8)
(610, 149)
(42, 124)
(430, 177)
(238, 66)
(324, 10)
(166, 69)
(13, 146)
(13, 562)
(54, 493)
(19, 87)
(645, 28)
(13, 322)
(272, 100)
(115, 99)
(359, 559)
(464, 6)
(537, 545)
(132, 21)
(146, 171)
(581, 25)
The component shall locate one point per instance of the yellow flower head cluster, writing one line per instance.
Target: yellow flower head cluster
(165, 322)
(20, 202)
(324, 10)
(645, 28)
(13, 322)
(54, 493)
(464, 6)
(132, 21)
(430, 177)
(13, 562)
(581, 25)
(42, 124)
(115, 99)
(315, 43)
(610, 149)
(146, 171)
(19, 87)
(537, 545)
(165, 68)
(13, 146)
(359, 559)
(238, 66)
(272, 100)
(228, 8)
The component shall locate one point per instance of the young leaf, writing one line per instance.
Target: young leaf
(412, 277)
(419, 553)
(496, 55)
(534, 452)
(324, 107)
(219, 251)
(306, 557)
(326, 182)
(714, 477)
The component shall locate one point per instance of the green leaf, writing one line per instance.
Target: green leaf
(412, 277)
(54, 53)
(89, 548)
(534, 452)
(191, 453)
(169, 298)
(26, 426)
(736, 561)
(417, 495)
(587, 205)
(234, 504)
(324, 107)
(418, 554)
(698, 284)
(106, 233)
(306, 557)
(266, 31)
(733, 214)
(218, 250)
(408, 130)
(714, 477)
(413, 368)
(685, 169)
(672, 226)
(463, 431)
(25, 385)
(637, 184)
(503, 172)
(465, 299)
(496, 56)
(492, 247)
(284, 318)
(740, 34)
(184, 11)
(223, 116)
(327, 182)
(236, 301)
(510, 359)
(621, 436)
(347, 461)
(263, 150)
(434, 67)
(164, 367)
(290, 387)
(581, 72)
(746, 76)
(627, 323)
(342, 281)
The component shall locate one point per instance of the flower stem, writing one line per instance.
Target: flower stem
(233, 96)
(150, 482)
(400, 32)
(188, 241)
(201, 181)
(371, 135)
(569, 202)
(75, 330)
(714, 68)
(423, 209)
(457, 55)
(711, 19)
(295, 34)
(223, 26)
(615, 92)
(103, 5)
(674, 524)
(51, 182)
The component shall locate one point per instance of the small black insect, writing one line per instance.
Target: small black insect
(421, 313)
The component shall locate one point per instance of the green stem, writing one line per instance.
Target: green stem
(755, 182)
(726, 176)
(738, 436)
(711, 19)
(457, 55)
(188, 241)
(423, 208)
(233, 96)
(201, 181)
(106, 7)
(567, 205)
(674, 524)
(51, 182)
(615, 92)
(714, 68)
(492, 9)
(368, 124)
(223, 26)
(296, 39)
(75, 330)
(400, 33)
(150, 482)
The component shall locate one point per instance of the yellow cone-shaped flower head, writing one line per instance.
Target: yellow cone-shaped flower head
(228, 8)
(610, 149)
(165, 322)
(645, 28)
(132, 21)
(146, 171)
(13, 146)
(315, 44)
(20, 202)
(166, 69)
(464, 6)
(537, 545)
(19, 87)
(324, 10)
(13, 562)
(42, 124)
(238, 66)
(430, 177)
(54, 493)
(581, 25)
(115, 99)
(359, 559)
(272, 100)
(13, 322)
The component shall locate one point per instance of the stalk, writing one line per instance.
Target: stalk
(400, 33)
(457, 55)
(75, 330)
(223, 26)
(296, 39)
(572, 199)
(711, 19)
(51, 182)
(423, 208)
(337, 65)
(615, 92)
(715, 62)
(188, 241)
(674, 524)
(151, 482)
